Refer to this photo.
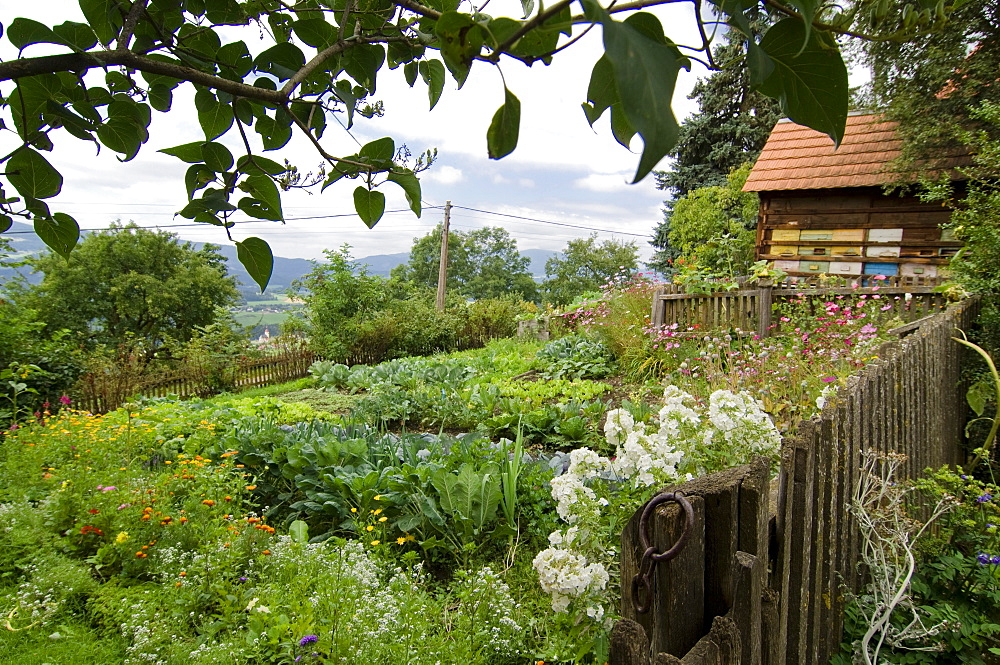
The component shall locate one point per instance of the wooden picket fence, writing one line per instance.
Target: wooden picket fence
(752, 309)
(763, 576)
(100, 393)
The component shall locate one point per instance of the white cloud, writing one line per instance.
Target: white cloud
(604, 182)
(445, 175)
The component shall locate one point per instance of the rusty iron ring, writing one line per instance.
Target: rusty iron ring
(647, 512)
(650, 557)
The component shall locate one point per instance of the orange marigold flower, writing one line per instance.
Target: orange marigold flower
(208, 502)
(266, 552)
(251, 487)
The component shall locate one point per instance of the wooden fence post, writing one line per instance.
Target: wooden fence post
(765, 286)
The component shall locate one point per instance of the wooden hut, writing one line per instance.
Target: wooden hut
(825, 211)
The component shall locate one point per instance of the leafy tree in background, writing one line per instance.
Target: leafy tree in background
(483, 263)
(336, 292)
(715, 227)
(318, 58)
(730, 129)
(130, 283)
(586, 265)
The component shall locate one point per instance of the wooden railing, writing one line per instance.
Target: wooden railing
(99, 393)
(763, 585)
(752, 309)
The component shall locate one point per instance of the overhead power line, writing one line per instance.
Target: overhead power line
(545, 221)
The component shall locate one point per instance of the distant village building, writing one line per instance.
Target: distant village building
(825, 211)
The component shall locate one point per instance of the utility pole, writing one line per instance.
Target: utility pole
(443, 268)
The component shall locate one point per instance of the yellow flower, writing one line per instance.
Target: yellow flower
(400, 540)
(375, 542)
(378, 497)
(383, 518)
(121, 537)
(377, 511)
(369, 528)
(354, 510)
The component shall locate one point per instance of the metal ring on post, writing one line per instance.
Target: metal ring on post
(650, 556)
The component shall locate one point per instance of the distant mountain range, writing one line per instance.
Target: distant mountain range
(24, 243)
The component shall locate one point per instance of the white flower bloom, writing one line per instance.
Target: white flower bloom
(585, 463)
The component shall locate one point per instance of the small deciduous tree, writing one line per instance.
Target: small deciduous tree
(714, 227)
(483, 263)
(131, 283)
(586, 265)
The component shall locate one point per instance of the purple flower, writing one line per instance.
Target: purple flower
(983, 558)
(984, 498)
(995, 559)
(308, 639)
(243, 579)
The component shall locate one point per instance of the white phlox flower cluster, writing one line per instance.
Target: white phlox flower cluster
(567, 570)
(740, 421)
(566, 575)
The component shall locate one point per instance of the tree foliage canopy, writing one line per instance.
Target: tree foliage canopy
(483, 263)
(130, 281)
(320, 57)
(715, 227)
(586, 265)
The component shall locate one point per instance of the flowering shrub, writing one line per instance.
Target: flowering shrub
(686, 438)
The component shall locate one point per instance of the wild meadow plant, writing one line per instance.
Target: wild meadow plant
(815, 344)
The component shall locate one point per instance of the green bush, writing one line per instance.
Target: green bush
(576, 357)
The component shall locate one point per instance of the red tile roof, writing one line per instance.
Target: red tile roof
(796, 157)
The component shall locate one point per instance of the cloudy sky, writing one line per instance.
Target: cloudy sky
(564, 181)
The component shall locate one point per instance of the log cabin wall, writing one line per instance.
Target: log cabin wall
(852, 232)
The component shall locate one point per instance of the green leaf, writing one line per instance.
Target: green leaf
(378, 153)
(808, 9)
(215, 117)
(809, 82)
(432, 72)
(104, 17)
(501, 137)
(411, 188)
(315, 32)
(186, 152)
(78, 36)
(282, 60)
(32, 175)
(236, 56)
(253, 163)
(274, 132)
(370, 205)
(161, 97)
(645, 66)
(362, 64)
(299, 531)
(980, 394)
(461, 40)
(60, 232)
(410, 72)
(349, 96)
(6, 221)
(196, 177)
(256, 257)
(266, 203)
(217, 156)
(400, 53)
(121, 135)
(23, 32)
